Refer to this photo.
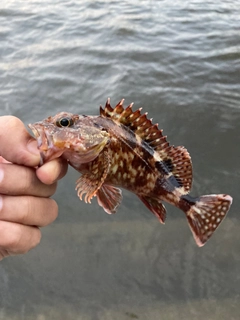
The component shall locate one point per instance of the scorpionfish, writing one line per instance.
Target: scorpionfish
(123, 148)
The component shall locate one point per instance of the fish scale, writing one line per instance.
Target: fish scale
(123, 148)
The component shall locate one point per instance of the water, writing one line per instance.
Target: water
(180, 61)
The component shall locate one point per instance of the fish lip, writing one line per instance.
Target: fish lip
(44, 141)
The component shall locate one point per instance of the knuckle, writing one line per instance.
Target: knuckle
(28, 180)
(37, 211)
(27, 208)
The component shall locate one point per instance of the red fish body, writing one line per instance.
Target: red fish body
(122, 148)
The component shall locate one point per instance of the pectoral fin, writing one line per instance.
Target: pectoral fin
(89, 183)
(155, 206)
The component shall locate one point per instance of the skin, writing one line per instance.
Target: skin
(25, 190)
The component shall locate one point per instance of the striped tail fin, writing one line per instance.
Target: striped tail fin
(205, 214)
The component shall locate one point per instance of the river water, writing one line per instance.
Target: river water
(180, 61)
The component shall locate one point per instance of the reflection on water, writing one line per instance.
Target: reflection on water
(179, 61)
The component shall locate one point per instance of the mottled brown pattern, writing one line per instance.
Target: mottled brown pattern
(123, 148)
(131, 172)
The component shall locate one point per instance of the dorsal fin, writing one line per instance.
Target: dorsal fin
(179, 162)
(175, 160)
(136, 121)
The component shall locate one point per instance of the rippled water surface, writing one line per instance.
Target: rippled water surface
(180, 61)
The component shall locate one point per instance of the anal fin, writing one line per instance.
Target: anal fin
(155, 206)
(109, 198)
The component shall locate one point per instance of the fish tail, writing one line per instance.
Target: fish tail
(204, 214)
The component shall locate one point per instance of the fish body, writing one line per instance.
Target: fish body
(122, 148)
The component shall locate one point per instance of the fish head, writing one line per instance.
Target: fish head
(76, 138)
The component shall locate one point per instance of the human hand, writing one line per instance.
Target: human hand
(24, 189)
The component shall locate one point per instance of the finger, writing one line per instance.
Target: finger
(28, 210)
(17, 238)
(2, 160)
(52, 171)
(20, 180)
(16, 144)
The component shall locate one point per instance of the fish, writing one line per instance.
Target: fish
(122, 148)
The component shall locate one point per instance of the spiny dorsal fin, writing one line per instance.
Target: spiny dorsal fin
(136, 121)
(175, 160)
(109, 112)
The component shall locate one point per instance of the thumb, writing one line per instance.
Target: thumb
(16, 144)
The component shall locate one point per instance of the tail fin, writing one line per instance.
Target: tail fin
(205, 215)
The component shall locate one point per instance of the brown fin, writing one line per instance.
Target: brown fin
(109, 112)
(205, 215)
(137, 122)
(178, 162)
(155, 206)
(90, 183)
(109, 198)
(175, 160)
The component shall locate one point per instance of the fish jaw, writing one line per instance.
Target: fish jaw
(45, 144)
(78, 145)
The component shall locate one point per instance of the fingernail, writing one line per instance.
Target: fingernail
(32, 147)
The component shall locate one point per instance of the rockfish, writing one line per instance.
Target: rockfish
(123, 148)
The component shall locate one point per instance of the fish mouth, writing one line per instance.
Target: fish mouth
(44, 142)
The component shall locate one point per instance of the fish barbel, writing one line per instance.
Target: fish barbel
(123, 148)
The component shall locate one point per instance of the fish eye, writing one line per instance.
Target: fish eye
(64, 122)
